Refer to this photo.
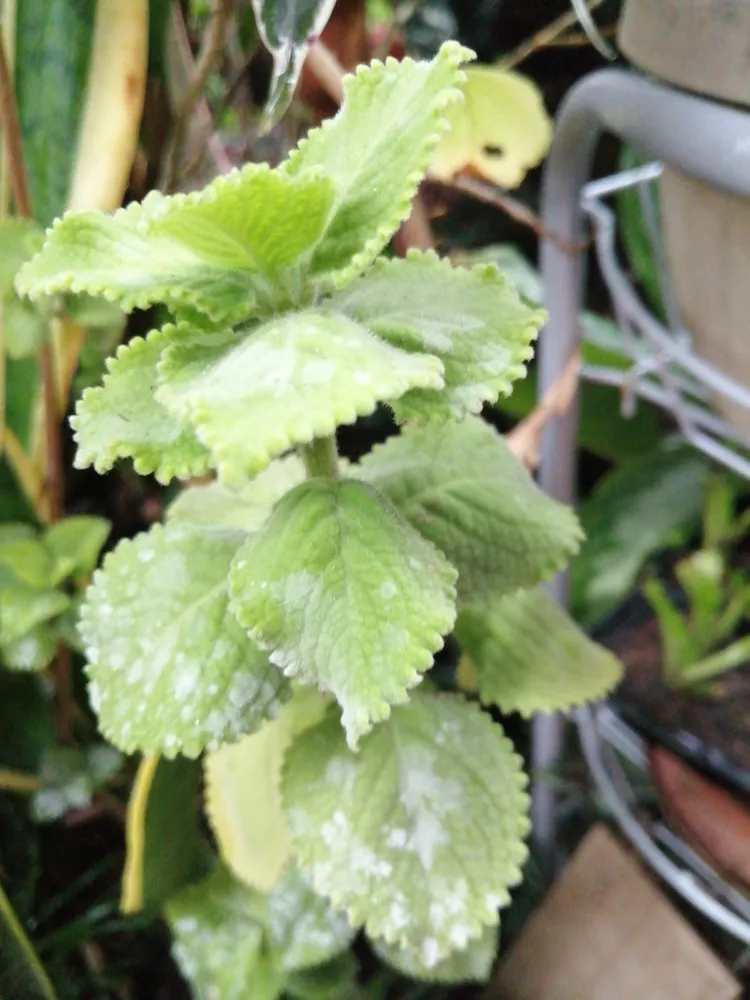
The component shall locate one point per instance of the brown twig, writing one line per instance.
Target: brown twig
(525, 439)
(543, 37)
(327, 69)
(213, 42)
(489, 194)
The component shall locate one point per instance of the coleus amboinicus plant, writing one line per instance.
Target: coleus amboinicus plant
(284, 617)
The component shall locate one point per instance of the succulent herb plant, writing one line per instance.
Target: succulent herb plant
(704, 641)
(284, 617)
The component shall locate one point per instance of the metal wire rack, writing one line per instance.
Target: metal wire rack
(662, 123)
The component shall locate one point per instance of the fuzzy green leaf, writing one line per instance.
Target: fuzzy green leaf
(224, 250)
(345, 595)
(33, 650)
(121, 418)
(22, 608)
(218, 941)
(245, 509)
(233, 942)
(420, 834)
(289, 380)
(530, 656)
(76, 542)
(377, 150)
(69, 776)
(472, 964)
(471, 319)
(171, 671)
(462, 488)
(251, 829)
(286, 27)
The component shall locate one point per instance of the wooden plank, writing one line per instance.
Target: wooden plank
(606, 932)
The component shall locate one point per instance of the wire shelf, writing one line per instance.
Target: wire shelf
(665, 371)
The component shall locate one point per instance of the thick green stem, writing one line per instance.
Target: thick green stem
(321, 457)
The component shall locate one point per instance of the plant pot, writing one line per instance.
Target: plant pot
(701, 46)
(712, 735)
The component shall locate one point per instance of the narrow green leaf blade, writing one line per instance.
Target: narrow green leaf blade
(530, 656)
(346, 595)
(52, 54)
(223, 250)
(170, 669)
(287, 381)
(287, 27)
(471, 319)
(420, 834)
(122, 419)
(377, 150)
(21, 972)
(460, 486)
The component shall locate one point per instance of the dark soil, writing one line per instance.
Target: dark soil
(711, 733)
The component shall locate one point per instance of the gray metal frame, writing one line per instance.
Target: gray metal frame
(711, 142)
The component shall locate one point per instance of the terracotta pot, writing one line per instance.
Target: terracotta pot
(702, 46)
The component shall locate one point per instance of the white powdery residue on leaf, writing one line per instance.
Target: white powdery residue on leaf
(397, 838)
(398, 914)
(341, 773)
(428, 799)
(387, 590)
(430, 952)
(317, 371)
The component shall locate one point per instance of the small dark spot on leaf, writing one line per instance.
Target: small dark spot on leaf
(493, 151)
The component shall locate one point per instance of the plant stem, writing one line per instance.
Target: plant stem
(19, 185)
(15, 781)
(321, 457)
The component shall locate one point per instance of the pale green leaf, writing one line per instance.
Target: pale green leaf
(499, 132)
(245, 509)
(243, 797)
(420, 834)
(121, 418)
(234, 942)
(22, 608)
(530, 656)
(471, 319)
(301, 928)
(471, 964)
(171, 671)
(75, 542)
(290, 380)
(346, 595)
(69, 777)
(377, 150)
(33, 650)
(27, 559)
(463, 489)
(223, 250)
(287, 28)
(218, 941)
(25, 328)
